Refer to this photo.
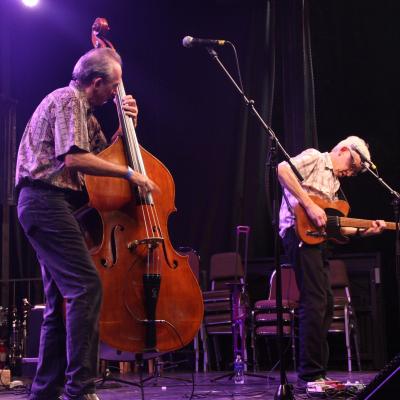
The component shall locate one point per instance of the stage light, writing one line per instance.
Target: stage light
(30, 3)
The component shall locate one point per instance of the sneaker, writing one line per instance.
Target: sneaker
(87, 396)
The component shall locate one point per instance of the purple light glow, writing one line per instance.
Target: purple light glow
(30, 3)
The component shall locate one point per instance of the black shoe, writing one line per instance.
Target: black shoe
(87, 396)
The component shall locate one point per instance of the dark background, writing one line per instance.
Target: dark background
(192, 119)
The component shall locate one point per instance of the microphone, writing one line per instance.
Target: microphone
(364, 159)
(189, 41)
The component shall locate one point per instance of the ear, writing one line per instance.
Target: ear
(97, 82)
(343, 149)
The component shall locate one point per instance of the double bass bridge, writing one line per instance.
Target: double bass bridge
(151, 243)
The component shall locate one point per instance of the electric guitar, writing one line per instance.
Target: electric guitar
(336, 212)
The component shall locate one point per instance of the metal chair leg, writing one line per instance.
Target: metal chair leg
(205, 343)
(217, 352)
(347, 337)
(354, 330)
(293, 338)
(196, 352)
(253, 343)
(243, 340)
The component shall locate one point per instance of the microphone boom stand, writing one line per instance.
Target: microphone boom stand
(396, 211)
(284, 390)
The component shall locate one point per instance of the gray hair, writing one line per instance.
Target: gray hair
(360, 143)
(95, 63)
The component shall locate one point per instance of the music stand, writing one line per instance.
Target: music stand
(238, 310)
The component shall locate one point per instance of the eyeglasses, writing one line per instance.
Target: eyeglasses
(354, 168)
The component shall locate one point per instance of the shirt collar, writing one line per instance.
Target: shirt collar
(328, 161)
(81, 94)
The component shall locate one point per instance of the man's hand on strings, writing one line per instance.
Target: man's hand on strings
(376, 228)
(131, 110)
(144, 182)
(130, 107)
(316, 214)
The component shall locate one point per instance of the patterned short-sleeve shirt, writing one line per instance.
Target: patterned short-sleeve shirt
(317, 170)
(62, 123)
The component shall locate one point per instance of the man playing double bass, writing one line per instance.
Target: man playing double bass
(59, 146)
(321, 173)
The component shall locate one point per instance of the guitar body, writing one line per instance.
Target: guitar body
(310, 234)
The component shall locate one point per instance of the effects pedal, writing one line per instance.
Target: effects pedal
(321, 387)
(330, 387)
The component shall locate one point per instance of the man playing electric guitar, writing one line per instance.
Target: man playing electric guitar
(321, 173)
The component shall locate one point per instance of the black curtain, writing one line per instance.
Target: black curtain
(279, 76)
(191, 117)
(297, 81)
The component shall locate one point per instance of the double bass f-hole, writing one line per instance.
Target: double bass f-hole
(113, 242)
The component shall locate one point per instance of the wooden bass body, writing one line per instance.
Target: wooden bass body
(143, 309)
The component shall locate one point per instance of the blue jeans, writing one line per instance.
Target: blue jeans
(316, 304)
(68, 346)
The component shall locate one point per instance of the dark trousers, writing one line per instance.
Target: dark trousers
(316, 305)
(68, 346)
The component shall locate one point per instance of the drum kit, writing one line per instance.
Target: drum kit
(13, 335)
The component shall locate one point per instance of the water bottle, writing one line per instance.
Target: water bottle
(238, 368)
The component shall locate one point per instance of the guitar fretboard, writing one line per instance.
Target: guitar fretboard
(362, 223)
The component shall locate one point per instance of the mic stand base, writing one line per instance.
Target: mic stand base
(108, 377)
(230, 375)
(284, 392)
(156, 375)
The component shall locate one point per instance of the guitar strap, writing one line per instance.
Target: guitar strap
(342, 195)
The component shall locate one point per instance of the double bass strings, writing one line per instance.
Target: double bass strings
(149, 211)
(174, 313)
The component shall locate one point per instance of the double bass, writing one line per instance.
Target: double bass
(151, 299)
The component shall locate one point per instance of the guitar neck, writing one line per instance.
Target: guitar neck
(362, 223)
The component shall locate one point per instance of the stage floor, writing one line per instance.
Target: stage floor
(174, 387)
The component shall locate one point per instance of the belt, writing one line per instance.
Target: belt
(36, 183)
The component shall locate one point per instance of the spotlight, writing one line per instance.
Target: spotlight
(30, 3)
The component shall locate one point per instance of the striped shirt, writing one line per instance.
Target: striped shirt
(62, 123)
(317, 170)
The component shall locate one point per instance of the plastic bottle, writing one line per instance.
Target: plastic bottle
(238, 368)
